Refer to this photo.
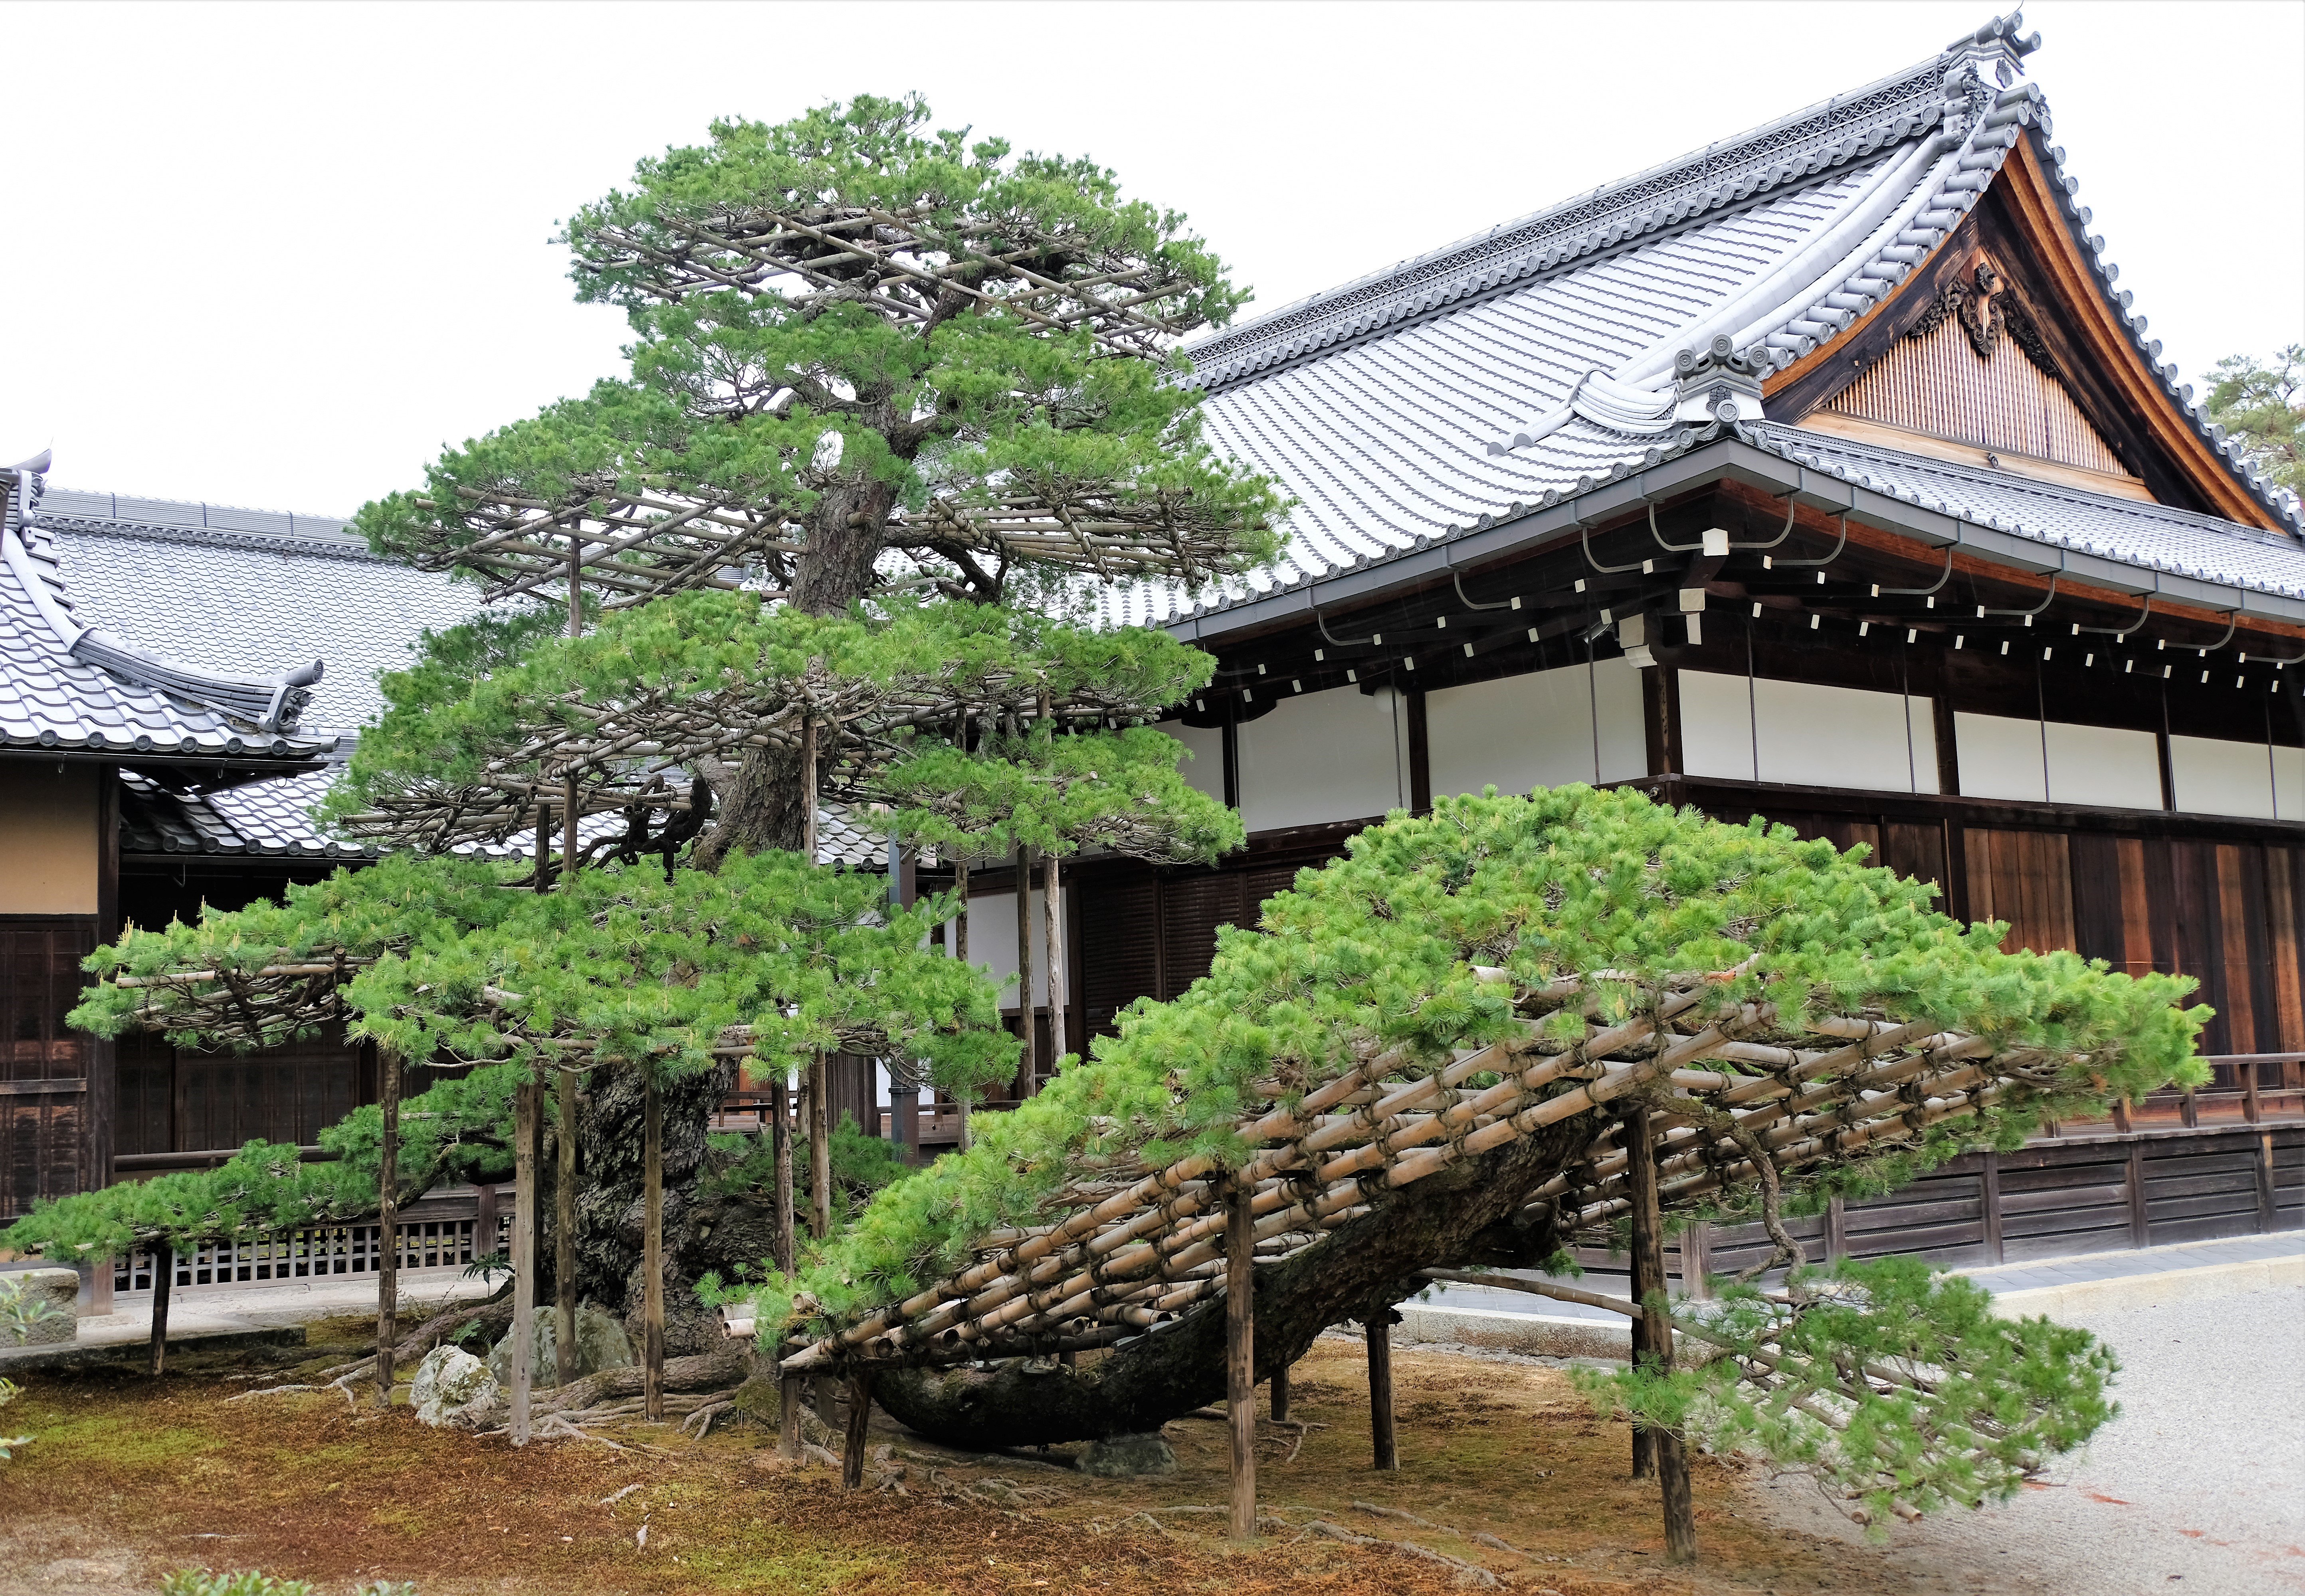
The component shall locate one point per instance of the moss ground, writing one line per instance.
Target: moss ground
(128, 1478)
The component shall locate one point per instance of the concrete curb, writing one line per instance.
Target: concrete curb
(136, 1353)
(2148, 1291)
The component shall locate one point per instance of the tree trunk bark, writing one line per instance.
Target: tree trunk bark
(1669, 1460)
(1384, 1441)
(1467, 1215)
(653, 1259)
(1052, 899)
(1240, 1351)
(1030, 1062)
(563, 1234)
(164, 1281)
(523, 1254)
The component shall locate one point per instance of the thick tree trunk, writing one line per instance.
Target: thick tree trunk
(1465, 1215)
(698, 1233)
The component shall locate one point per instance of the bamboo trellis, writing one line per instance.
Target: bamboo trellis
(617, 757)
(1132, 1256)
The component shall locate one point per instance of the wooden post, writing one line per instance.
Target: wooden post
(653, 1259)
(2189, 1109)
(1053, 898)
(564, 1238)
(1241, 1350)
(790, 1399)
(780, 1134)
(387, 1223)
(1385, 1449)
(163, 1280)
(1990, 1183)
(1648, 1282)
(1280, 1395)
(2140, 1226)
(1030, 1061)
(570, 815)
(544, 847)
(808, 788)
(960, 952)
(2252, 1102)
(819, 1148)
(860, 1416)
(525, 1109)
(485, 1224)
(2266, 1214)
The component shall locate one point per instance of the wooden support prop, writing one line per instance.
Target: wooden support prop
(164, 1279)
(544, 847)
(826, 1400)
(1030, 1061)
(1240, 1351)
(1383, 1445)
(563, 1237)
(780, 1138)
(653, 1259)
(808, 787)
(1671, 1460)
(525, 1108)
(860, 1416)
(387, 1223)
(819, 1148)
(1052, 899)
(960, 952)
(1280, 1395)
(790, 1399)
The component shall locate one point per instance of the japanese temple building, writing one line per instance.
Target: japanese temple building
(1824, 474)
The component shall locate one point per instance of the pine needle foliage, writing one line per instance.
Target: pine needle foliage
(1376, 951)
(1892, 1385)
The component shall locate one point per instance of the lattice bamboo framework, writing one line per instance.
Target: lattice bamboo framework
(639, 753)
(1125, 1257)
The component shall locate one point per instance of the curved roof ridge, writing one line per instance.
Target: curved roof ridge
(1795, 150)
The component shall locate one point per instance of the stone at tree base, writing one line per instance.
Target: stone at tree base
(600, 1344)
(454, 1389)
(1126, 1456)
(60, 1289)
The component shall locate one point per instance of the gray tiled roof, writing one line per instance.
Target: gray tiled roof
(214, 586)
(2153, 537)
(61, 681)
(1491, 377)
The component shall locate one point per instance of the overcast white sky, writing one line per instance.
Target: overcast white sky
(278, 255)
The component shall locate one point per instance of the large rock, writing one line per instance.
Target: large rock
(1126, 1456)
(39, 1307)
(454, 1389)
(600, 1344)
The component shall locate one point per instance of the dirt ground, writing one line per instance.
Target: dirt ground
(128, 1478)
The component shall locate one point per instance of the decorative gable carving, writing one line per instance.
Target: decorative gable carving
(1974, 368)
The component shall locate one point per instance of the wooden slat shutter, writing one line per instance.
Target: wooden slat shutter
(1120, 949)
(45, 1134)
(1192, 908)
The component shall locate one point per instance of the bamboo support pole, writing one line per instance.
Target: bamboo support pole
(164, 1281)
(525, 1108)
(652, 1257)
(1241, 1354)
(387, 1222)
(564, 1235)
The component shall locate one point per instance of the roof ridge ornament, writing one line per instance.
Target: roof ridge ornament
(1720, 384)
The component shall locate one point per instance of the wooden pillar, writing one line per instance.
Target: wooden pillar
(387, 1223)
(563, 1237)
(652, 1258)
(1240, 1351)
(1030, 1061)
(1280, 1394)
(1648, 1282)
(2266, 1214)
(525, 1110)
(2141, 1228)
(1052, 897)
(485, 1224)
(859, 1416)
(960, 952)
(1420, 752)
(163, 1280)
(1385, 1450)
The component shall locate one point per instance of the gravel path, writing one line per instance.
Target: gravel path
(2198, 1487)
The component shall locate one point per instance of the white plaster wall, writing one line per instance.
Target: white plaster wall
(2214, 776)
(2288, 783)
(1810, 733)
(993, 941)
(1999, 757)
(1517, 732)
(2101, 765)
(1624, 732)
(1336, 755)
(1205, 769)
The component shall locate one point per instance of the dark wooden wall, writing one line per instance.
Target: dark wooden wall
(48, 1119)
(176, 1101)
